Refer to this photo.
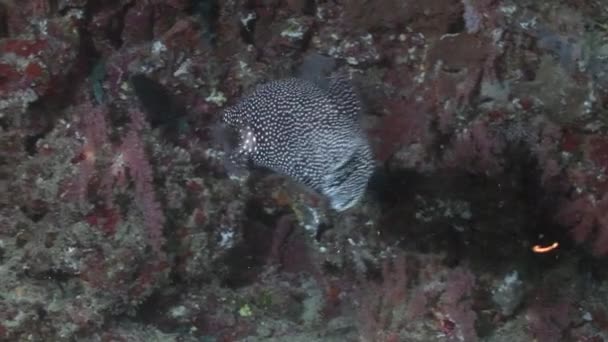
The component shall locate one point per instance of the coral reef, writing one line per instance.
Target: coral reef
(487, 218)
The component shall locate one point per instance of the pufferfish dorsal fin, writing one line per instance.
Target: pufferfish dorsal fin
(342, 92)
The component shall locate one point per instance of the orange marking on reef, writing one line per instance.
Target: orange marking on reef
(545, 249)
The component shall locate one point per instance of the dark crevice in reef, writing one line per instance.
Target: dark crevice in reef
(500, 218)
(310, 8)
(245, 261)
(457, 25)
(160, 105)
(3, 21)
(247, 32)
(153, 310)
(116, 27)
(30, 142)
(35, 210)
(208, 13)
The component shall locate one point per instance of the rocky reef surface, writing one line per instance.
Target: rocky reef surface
(486, 218)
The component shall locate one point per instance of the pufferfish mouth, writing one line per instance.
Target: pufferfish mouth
(229, 140)
(226, 137)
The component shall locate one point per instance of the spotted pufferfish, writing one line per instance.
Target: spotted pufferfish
(309, 132)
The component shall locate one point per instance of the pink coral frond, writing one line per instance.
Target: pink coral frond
(140, 170)
(589, 220)
(457, 303)
(94, 128)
